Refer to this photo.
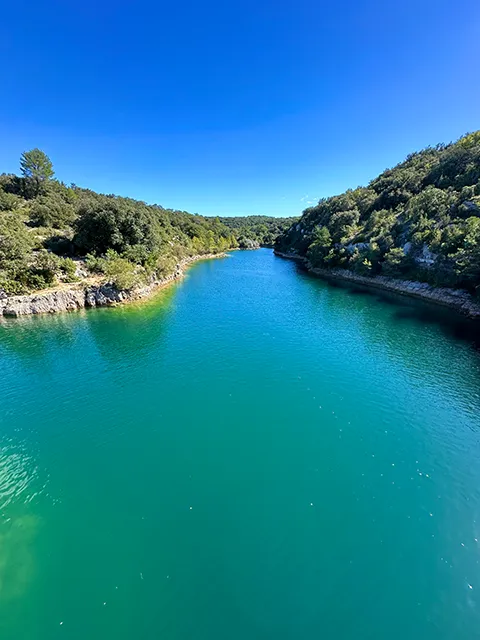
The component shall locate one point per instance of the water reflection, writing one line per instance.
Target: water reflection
(32, 337)
(406, 334)
(132, 331)
(116, 332)
(452, 323)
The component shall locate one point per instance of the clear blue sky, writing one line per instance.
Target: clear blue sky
(221, 107)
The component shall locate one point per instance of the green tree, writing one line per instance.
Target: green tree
(114, 223)
(37, 169)
(52, 211)
(395, 263)
(16, 242)
(320, 246)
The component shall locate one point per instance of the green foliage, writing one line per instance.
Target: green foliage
(360, 263)
(68, 268)
(120, 271)
(52, 211)
(320, 248)
(111, 223)
(395, 262)
(418, 220)
(37, 169)
(254, 231)
(8, 201)
(128, 241)
(16, 242)
(44, 267)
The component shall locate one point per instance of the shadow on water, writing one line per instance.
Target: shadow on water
(450, 322)
(417, 336)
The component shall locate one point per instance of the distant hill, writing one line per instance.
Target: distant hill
(419, 220)
(257, 230)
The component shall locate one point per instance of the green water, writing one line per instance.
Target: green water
(253, 454)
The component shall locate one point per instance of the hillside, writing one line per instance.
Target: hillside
(51, 234)
(253, 231)
(419, 220)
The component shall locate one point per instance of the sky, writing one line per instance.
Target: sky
(234, 108)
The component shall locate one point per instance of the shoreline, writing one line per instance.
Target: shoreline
(456, 299)
(83, 295)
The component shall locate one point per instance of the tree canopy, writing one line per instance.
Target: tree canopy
(36, 168)
(50, 231)
(420, 219)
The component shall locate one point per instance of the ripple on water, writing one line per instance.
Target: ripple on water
(19, 477)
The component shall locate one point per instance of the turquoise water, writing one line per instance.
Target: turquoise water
(252, 454)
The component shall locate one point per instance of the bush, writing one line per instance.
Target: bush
(11, 286)
(165, 265)
(359, 263)
(118, 270)
(94, 263)
(60, 245)
(45, 267)
(109, 223)
(51, 211)
(16, 242)
(69, 270)
(8, 201)
(121, 272)
(320, 247)
(395, 262)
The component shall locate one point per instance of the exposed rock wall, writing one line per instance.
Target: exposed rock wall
(79, 296)
(457, 299)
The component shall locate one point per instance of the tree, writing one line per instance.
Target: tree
(16, 242)
(36, 168)
(395, 262)
(115, 223)
(320, 246)
(51, 211)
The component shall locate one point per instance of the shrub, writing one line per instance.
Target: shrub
(121, 272)
(16, 242)
(8, 201)
(109, 223)
(51, 211)
(68, 268)
(60, 245)
(45, 267)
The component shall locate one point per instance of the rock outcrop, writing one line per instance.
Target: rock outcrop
(78, 296)
(48, 302)
(248, 243)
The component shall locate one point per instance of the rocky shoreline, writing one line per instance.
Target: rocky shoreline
(456, 299)
(80, 296)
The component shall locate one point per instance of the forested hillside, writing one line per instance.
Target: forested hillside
(252, 231)
(419, 220)
(45, 226)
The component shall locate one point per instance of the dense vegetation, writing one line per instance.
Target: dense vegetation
(419, 220)
(45, 226)
(254, 231)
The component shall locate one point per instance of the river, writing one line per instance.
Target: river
(254, 453)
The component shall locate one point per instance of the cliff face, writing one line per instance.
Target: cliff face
(81, 296)
(64, 300)
(50, 302)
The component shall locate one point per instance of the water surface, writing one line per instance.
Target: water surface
(252, 454)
